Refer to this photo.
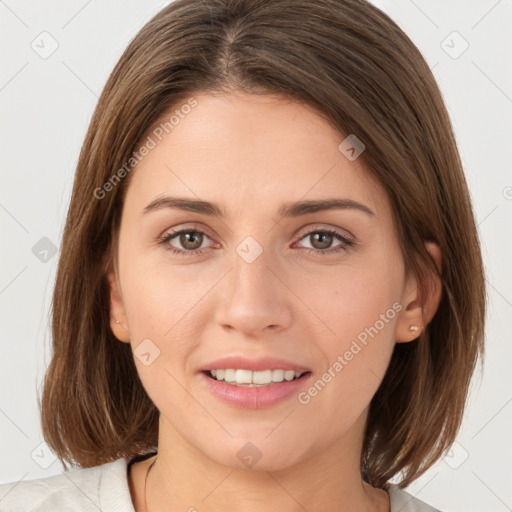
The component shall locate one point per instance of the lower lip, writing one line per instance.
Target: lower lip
(257, 397)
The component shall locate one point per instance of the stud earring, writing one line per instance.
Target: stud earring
(413, 328)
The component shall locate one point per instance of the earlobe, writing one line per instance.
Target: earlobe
(410, 322)
(417, 313)
(117, 313)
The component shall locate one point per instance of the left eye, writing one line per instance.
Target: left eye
(322, 240)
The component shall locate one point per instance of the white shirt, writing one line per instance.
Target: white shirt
(105, 488)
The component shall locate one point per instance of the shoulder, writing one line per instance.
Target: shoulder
(103, 487)
(402, 501)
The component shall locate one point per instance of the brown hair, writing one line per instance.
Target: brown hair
(354, 65)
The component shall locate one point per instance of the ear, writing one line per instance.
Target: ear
(118, 323)
(415, 313)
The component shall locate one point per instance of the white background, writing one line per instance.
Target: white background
(46, 105)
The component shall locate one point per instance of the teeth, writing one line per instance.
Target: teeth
(253, 379)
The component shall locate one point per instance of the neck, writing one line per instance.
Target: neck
(184, 478)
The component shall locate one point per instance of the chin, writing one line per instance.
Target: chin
(257, 456)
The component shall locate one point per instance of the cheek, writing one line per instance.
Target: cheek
(162, 311)
(349, 298)
(158, 296)
(355, 358)
(357, 310)
(164, 304)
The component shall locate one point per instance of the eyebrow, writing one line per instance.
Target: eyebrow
(288, 210)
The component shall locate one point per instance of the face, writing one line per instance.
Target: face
(323, 289)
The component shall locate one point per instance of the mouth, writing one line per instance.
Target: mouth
(251, 379)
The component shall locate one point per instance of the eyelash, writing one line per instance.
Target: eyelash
(348, 244)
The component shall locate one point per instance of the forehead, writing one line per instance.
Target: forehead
(249, 150)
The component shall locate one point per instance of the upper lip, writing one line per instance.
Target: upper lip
(254, 364)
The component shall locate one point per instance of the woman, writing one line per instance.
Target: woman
(270, 294)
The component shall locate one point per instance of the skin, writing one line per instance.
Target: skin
(252, 154)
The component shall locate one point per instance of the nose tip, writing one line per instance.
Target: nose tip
(252, 299)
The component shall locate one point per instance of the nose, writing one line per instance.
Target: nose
(253, 300)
